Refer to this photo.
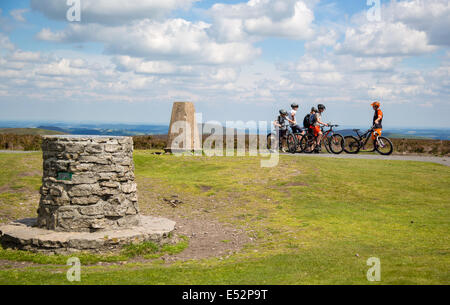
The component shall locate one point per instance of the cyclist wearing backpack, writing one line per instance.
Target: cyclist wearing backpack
(292, 120)
(308, 118)
(377, 121)
(315, 125)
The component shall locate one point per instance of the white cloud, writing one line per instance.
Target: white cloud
(5, 43)
(47, 35)
(407, 28)
(63, 67)
(111, 11)
(326, 39)
(20, 55)
(9, 65)
(368, 64)
(263, 18)
(173, 39)
(384, 39)
(225, 75)
(139, 66)
(18, 14)
(310, 64)
(431, 16)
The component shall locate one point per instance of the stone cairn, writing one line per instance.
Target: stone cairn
(88, 184)
(88, 200)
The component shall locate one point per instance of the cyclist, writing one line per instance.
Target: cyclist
(292, 120)
(377, 121)
(308, 119)
(281, 122)
(315, 126)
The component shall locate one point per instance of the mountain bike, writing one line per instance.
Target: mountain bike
(292, 141)
(333, 142)
(353, 145)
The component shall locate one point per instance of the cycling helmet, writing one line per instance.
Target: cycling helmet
(376, 104)
(321, 106)
(283, 112)
(294, 105)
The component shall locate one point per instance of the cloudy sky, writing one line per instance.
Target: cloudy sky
(127, 61)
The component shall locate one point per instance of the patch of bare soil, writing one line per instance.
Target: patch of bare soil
(5, 264)
(196, 218)
(30, 174)
(205, 188)
(208, 238)
(297, 184)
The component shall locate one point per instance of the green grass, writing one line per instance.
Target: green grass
(151, 250)
(146, 250)
(38, 258)
(314, 221)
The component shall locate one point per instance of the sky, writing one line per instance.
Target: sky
(128, 61)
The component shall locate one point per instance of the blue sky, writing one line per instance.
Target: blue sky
(237, 60)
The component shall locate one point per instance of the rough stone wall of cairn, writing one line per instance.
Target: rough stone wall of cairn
(88, 184)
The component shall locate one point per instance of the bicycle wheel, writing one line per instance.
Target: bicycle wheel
(384, 146)
(292, 144)
(298, 137)
(326, 143)
(271, 140)
(351, 145)
(336, 144)
(306, 144)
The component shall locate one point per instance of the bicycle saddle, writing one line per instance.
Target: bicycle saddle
(356, 130)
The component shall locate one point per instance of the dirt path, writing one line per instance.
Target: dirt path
(440, 160)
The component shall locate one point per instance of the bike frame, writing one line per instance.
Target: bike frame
(325, 134)
(364, 138)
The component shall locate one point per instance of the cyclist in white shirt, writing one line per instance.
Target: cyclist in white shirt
(292, 120)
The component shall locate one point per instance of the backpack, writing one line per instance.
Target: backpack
(309, 120)
(313, 119)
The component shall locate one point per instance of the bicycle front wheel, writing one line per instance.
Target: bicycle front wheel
(384, 146)
(306, 144)
(326, 143)
(299, 139)
(292, 144)
(351, 145)
(336, 144)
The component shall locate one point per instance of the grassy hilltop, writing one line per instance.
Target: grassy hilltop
(307, 221)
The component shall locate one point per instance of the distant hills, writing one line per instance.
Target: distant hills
(109, 129)
(30, 131)
(119, 129)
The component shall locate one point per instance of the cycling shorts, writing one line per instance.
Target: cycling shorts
(316, 130)
(376, 132)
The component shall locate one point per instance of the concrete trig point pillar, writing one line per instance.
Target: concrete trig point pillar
(183, 130)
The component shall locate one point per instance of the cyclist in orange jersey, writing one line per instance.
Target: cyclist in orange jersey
(377, 121)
